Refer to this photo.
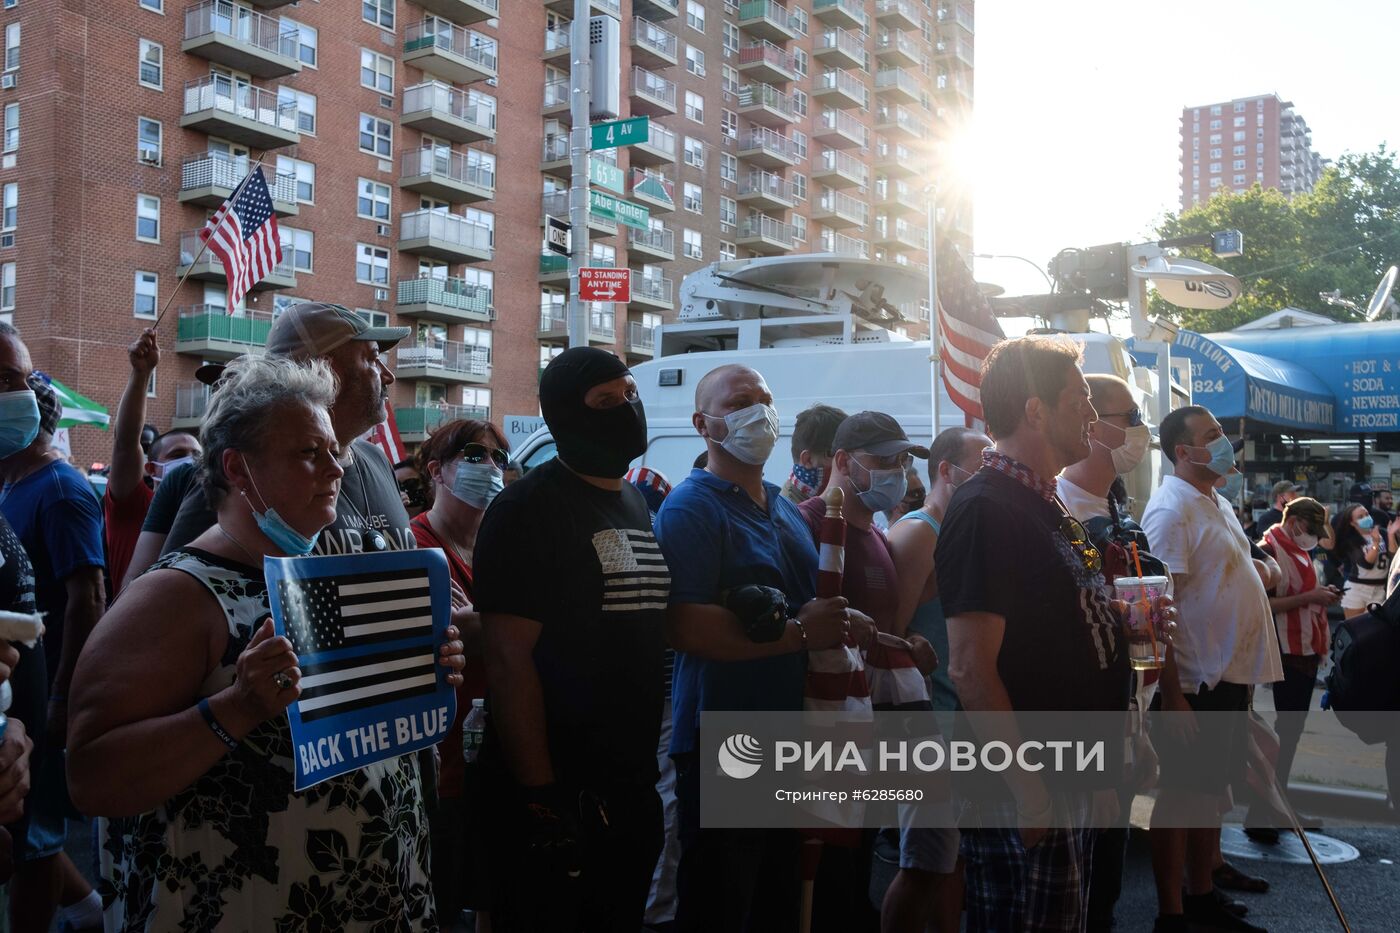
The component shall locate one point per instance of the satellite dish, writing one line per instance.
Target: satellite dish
(1190, 284)
(1381, 299)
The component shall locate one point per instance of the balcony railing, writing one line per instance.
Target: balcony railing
(556, 93)
(655, 238)
(768, 185)
(764, 9)
(236, 98)
(478, 110)
(837, 203)
(845, 124)
(653, 185)
(907, 233)
(556, 204)
(852, 8)
(760, 137)
(191, 401)
(641, 336)
(216, 170)
(447, 37)
(213, 324)
(556, 147)
(768, 53)
(843, 81)
(655, 287)
(902, 118)
(421, 420)
(455, 166)
(554, 317)
(834, 160)
(653, 86)
(842, 245)
(222, 18)
(450, 293)
(901, 40)
(556, 40)
(660, 138)
(903, 8)
(451, 356)
(887, 78)
(847, 42)
(761, 225)
(649, 35)
(766, 95)
(445, 227)
(190, 245)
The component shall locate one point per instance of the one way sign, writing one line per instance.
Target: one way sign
(605, 284)
(556, 235)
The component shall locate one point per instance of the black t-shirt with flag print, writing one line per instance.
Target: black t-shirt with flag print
(583, 563)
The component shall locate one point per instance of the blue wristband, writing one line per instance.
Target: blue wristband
(215, 726)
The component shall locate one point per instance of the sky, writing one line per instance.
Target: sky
(1076, 128)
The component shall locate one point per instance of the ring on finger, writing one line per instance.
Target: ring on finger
(282, 679)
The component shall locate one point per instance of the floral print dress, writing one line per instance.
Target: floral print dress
(238, 850)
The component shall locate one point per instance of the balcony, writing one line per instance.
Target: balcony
(764, 19)
(209, 180)
(556, 44)
(651, 94)
(895, 197)
(764, 234)
(839, 129)
(954, 50)
(208, 268)
(241, 39)
(766, 148)
(445, 112)
(641, 339)
(897, 160)
(440, 235)
(894, 120)
(959, 14)
(443, 361)
(465, 12)
(764, 61)
(842, 245)
(958, 83)
(447, 299)
(656, 9)
(415, 424)
(837, 169)
(898, 85)
(837, 48)
(566, 7)
(654, 190)
(209, 331)
(840, 89)
(900, 234)
(654, 243)
(239, 112)
(766, 105)
(899, 14)
(766, 191)
(847, 14)
(449, 53)
(659, 148)
(556, 99)
(455, 177)
(554, 324)
(554, 159)
(837, 210)
(652, 292)
(652, 45)
(556, 204)
(553, 268)
(899, 49)
(191, 400)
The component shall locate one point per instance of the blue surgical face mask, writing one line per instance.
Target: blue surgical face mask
(1366, 523)
(19, 421)
(1233, 484)
(477, 484)
(1222, 456)
(282, 535)
(886, 487)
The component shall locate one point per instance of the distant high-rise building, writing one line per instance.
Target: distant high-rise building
(1233, 145)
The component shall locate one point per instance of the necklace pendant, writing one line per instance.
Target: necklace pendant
(374, 541)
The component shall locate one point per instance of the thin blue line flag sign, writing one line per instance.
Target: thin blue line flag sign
(366, 629)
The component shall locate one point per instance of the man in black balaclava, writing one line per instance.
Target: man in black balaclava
(572, 592)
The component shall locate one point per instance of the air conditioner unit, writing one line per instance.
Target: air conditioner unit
(9, 81)
(381, 294)
(383, 229)
(149, 156)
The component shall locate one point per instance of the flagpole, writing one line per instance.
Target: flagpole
(934, 352)
(204, 243)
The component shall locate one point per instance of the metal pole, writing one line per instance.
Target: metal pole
(934, 350)
(581, 92)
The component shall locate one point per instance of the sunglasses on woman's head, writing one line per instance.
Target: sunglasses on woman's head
(480, 453)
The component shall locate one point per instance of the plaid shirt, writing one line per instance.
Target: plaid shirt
(994, 460)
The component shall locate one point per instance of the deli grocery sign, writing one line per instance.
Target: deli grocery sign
(605, 284)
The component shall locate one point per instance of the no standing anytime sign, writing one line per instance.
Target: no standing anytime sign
(603, 284)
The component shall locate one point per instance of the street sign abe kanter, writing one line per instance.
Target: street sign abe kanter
(604, 284)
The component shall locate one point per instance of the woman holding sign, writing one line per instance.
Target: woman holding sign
(179, 732)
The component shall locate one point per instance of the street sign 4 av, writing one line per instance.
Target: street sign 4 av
(605, 284)
(618, 133)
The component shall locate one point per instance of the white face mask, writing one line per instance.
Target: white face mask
(1127, 455)
(960, 475)
(161, 469)
(1306, 542)
(750, 433)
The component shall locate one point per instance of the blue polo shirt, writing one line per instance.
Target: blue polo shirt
(716, 538)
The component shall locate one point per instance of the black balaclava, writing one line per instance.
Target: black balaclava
(592, 441)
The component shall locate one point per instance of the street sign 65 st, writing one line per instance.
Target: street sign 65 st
(618, 133)
(597, 283)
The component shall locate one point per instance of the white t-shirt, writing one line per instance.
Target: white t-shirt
(1225, 629)
(1082, 505)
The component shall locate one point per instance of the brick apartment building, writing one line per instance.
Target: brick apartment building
(412, 150)
(1232, 145)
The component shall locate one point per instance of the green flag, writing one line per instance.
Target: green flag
(78, 409)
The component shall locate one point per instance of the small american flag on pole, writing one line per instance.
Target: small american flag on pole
(243, 234)
(969, 330)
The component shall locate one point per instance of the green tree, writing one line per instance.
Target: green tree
(1340, 236)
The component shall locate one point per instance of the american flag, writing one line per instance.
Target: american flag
(243, 234)
(968, 329)
(361, 640)
(385, 436)
(635, 575)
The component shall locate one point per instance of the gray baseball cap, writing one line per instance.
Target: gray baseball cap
(310, 329)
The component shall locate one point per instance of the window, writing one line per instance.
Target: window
(12, 127)
(477, 398)
(799, 102)
(693, 199)
(1195, 171)
(1239, 106)
(799, 62)
(144, 303)
(376, 136)
(728, 79)
(1215, 153)
(1215, 139)
(727, 251)
(378, 12)
(695, 61)
(1258, 147)
(156, 6)
(148, 139)
(376, 72)
(799, 186)
(1239, 179)
(147, 216)
(728, 211)
(298, 246)
(1239, 136)
(728, 167)
(799, 143)
(306, 108)
(1259, 121)
(799, 228)
(1259, 162)
(1239, 150)
(1239, 121)
(1195, 157)
(152, 71)
(1215, 168)
(731, 39)
(695, 15)
(1237, 165)
(694, 107)
(694, 152)
(306, 177)
(371, 264)
(1216, 182)
(7, 288)
(1215, 124)
(1215, 111)
(729, 123)
(1258, 134)
(151, 385)
(797, 19)
(306, 41)
(373, 201)
(691, 247)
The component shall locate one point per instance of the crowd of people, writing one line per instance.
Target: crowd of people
(597, 612)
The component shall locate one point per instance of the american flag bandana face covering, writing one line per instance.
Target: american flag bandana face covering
(807, 480)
